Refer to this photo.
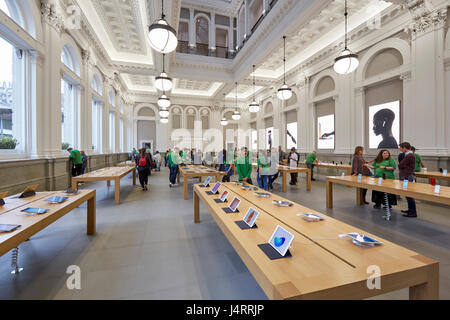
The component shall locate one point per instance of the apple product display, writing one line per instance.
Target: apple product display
(35, 211)
(234, 205)
(359, 177)
(444, 172)
(311, 217)
(207, 181)
(380, 180)
(29, 191)
(281, 240)
(56, 199)
(437, 189)
(250, 217)
(361, 240)
(5, 228)
(224, 196)
(71, 191)
(2, 196)
(343, 175)
(282, 203)
(262, 195)
(215, 189)
(249, 188)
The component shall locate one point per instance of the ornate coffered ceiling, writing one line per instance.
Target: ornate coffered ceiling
(224, 7)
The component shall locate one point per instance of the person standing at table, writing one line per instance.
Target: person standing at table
(384, 167)
(407, 167)
(359, 166)
(263, 167)
(244, 166)
(280, 155)
(293, 162)
(419, 162)
(273, 170)
(84, 158)
(143, 168)
(311, 160)
(174, 160)
(77, 161)
(158, 161)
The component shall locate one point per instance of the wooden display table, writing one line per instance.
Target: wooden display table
(30, 225)
(14, 202)
(322, 266)
(196, 171)
(107, 174)
(126, 164)
(342, 167)
(284, 170)
(433, 175)
(420, 191)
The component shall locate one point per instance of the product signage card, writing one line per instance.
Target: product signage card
(437, 189)
(343, 175)
(281, 240)
(359, 177)
(444, 172)
(380, 180)
(405, 184)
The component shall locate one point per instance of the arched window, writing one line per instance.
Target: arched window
(10, 8)
(21, 13)
(97, 84)
(70, 60)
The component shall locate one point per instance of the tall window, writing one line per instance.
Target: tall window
(112, 131)
(67, 115)
(97, 126)
(121, 135)
(12, 118)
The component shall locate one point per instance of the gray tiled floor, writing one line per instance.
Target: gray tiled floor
(149, 248)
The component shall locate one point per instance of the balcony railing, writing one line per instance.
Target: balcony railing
(202, 49)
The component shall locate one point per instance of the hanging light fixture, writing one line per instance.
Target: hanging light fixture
(236, 115)
(164, 113)
(347, 62)
(254, 106)
(163, 38)
(284, 93)
(164, 101)
(164, 120)
(224, 121)
(163, 82)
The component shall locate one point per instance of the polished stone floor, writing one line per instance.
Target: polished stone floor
(149, 247)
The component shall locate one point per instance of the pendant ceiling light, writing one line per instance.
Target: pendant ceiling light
(164, 102)
(284, 93)
(164, 113)
(163, 82)
(347, 62)
(236, 115)
(163, 38)
(164, 120)
(224, 121)
(254, 106)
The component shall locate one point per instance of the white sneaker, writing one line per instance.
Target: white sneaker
(170, 185)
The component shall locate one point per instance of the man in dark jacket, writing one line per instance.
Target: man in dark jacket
(406, 167)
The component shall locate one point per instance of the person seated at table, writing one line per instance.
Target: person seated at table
(359, 166)
(311, 160)
(384, 167)
(244, 166)
(263, 169)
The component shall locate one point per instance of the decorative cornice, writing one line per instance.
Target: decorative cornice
(434, 20)
(52, 17)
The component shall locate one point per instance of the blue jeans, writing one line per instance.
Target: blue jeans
(411, 201)
(272, 180)
(264, 182)
(258, 180)
(173, 174)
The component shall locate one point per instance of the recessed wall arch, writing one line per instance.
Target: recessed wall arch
(319, 77)
(69, 47)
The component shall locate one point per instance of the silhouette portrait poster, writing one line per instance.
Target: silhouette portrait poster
(384, 126)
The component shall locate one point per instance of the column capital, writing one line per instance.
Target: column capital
(427, 22)
(51, 16)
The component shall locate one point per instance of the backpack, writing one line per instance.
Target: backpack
(142, 161)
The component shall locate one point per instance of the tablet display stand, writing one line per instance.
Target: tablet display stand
(27, 194)
(209, 193)
(218, 201)
(2, 202)
(241, 224)
(202, 186)
(271, 253)
(228, 210)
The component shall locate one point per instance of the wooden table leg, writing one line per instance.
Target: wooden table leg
(91, 213)
(117, 191)
(428, 290)
(308, 180)
(134, 177)
(185, 185)
(196, 208)
(284, 181)
(359, 197)
(329, 191)
(74, 184)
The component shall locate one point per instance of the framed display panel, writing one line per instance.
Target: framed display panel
(384, 125)
(325, 132)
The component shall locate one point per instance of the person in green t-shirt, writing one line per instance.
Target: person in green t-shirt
(419, 163)
(174, 160)
(311, 160)
(77, 161)
(384, 167)
(244, 167)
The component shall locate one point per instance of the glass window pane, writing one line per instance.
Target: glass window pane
(8, 105)
(67, 115)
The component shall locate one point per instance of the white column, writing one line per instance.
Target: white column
(357, 138)
(39, 134)
(192, 35)
(231, 35)
(212, 32)
(247, 18)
